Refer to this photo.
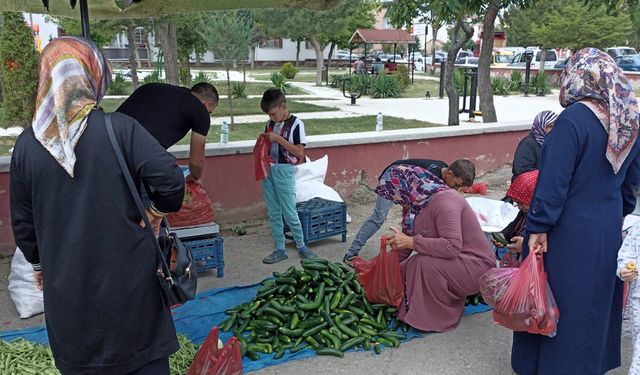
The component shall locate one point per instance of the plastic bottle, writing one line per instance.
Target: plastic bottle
(224, 132)
(379, 122)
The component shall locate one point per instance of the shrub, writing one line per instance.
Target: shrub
(458, 80)
(500, 86)
(539, 83)
(185, 75)
(18, 71)
(279, 81)
(385, 86)
(288, 70)
(335, 80)
(516, 81)
(239, 90)
(118, 86)
(403, 76)
(152, 78)
(358, 81)
(202, 77)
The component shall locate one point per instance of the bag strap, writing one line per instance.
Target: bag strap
(133, 190)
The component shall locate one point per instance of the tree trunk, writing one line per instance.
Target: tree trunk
(484, 63)
(330, 59)
(319, 59)
(452, 94)
(543, 59)
(435, 26)
(170, 51)
(133, 64)
(297, 53)
(148, 47)
(252, 57)
(229, 95)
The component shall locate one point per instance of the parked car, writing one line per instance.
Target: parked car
(467, 61)
(629, 63)
(620, 51)
(551, 59)
(463, 53)
(502, 58)
(561, 64)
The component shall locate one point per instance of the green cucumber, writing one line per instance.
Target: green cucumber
(330, 351)
(252, 355)
(273, 312)
(335, 341)
(279, 354)
(291, 332)
(351, 343)
(343, 327)
(300, 347)
(335, 301)
(295, 320)
(314, 330)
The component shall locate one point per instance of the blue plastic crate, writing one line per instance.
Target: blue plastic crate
(321, 219)
(208, 253)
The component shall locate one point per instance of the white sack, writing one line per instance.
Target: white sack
(22, 288)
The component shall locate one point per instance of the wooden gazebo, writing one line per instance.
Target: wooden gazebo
(385, 36)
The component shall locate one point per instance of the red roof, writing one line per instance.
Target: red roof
(389, 36)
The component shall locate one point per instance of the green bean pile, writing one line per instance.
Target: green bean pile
(28, 358)
(322, 306)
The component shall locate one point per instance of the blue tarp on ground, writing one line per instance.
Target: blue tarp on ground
(195, 319)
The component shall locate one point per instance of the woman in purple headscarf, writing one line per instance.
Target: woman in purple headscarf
(527, 156)
(588, 178)
(450, 252)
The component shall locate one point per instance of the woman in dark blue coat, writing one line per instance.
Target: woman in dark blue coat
(76, 222)
(527, 156)
(590, 171)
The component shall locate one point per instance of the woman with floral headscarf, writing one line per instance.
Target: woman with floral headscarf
(527, 156)
(75, 220)
(588, 178)
(451, 252)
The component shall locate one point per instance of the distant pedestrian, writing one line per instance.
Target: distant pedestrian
(359, 66)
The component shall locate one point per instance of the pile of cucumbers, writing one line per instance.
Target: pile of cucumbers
(321, 306)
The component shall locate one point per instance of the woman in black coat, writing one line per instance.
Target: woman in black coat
(75, 220)
(527, 156)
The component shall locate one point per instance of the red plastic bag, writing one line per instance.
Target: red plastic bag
(381, 277)
(196, 208)
(261, 157)
(521, 297)
(509, 260)
(210, 360)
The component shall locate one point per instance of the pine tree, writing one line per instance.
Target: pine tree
(18, 70)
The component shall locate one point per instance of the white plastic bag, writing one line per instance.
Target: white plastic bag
(310, 182)
(492, 214)
(22, 288)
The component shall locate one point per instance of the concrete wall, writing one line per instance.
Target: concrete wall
(230, 182)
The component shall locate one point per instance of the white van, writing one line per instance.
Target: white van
(551, 59)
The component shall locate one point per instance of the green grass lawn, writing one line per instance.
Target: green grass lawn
(250, 106)
(419, 88)
(253, 88)
(251, 131)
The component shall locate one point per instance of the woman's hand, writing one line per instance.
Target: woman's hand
(538, 243)
(516, 244)
(497, 243)
(399, 240)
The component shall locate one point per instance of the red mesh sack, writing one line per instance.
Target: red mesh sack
(381, 277)
(521, 297)
(261, 157)
(210, 360)
(196, 208)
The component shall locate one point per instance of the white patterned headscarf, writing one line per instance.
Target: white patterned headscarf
(73, 78)
(592, 78)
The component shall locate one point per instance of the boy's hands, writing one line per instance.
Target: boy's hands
(273, 137)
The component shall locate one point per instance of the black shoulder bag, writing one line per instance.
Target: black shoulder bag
(179, 281)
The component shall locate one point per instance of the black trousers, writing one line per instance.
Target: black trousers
(157, 367)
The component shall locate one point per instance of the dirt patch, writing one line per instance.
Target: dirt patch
(498, 181)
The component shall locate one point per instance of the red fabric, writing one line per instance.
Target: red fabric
(521, 297)
(381, 277)
(522, 188)
(213, 361)
(196, 208)
(261, 157)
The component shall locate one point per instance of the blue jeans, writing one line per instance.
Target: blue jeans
(371, 225)
(279, 189)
